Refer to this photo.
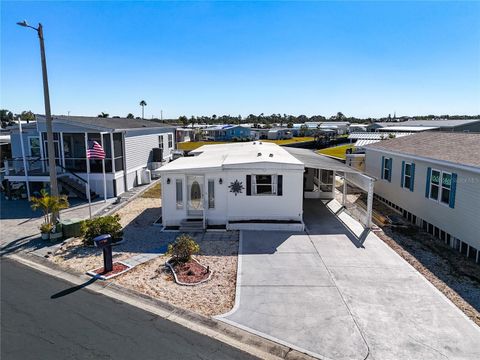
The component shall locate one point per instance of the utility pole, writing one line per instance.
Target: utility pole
(46, 95)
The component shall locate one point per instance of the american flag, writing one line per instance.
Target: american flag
(95, 150)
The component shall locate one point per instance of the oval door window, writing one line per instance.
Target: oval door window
(195, 195)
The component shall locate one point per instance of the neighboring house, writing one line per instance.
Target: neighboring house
(433, 179)
(340, 127)
(469, 125)
(184, 135)
(128, 144)
(251, 185)
(279, 134)
(228, 132)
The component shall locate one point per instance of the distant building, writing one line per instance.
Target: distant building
(433, 180)
(279, 134)
(227, 132)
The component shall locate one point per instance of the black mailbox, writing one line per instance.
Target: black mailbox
(104, 242)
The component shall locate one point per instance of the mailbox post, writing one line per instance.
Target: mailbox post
(104, 242)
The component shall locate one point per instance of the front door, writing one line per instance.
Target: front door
(195, 196)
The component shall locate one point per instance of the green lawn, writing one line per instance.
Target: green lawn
(192, 145)
(337, 151)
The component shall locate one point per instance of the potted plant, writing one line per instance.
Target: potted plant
(49, 205)
(45, 230)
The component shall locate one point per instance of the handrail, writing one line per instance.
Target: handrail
(34, 160)
(71, 172)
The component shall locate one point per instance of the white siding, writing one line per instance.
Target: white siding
(138, 149)
(461, 222)
(229, 207)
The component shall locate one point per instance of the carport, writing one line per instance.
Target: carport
(319, 178)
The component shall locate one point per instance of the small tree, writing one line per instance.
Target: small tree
(49, 205)
(110, 225)
(130, 116)
(183, 248)
(103, 115)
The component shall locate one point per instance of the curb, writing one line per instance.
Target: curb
(231, 335)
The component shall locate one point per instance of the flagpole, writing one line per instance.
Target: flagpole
(104, 175)
(88, 177)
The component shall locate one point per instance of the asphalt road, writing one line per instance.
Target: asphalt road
(85, 325)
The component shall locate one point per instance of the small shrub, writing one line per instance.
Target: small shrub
(46, 228)
(92, 228)
(183, 248)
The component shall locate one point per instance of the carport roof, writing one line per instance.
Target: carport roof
(313, 160)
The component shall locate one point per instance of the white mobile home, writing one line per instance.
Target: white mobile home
(254, 185)
(433, 179)
(238, 186)
(128, 145)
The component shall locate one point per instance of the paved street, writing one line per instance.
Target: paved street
(338, 297)
(40, 320)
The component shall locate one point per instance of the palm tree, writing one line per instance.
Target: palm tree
(143, 104)
(50, 205)
(184, 120)
(103, 115)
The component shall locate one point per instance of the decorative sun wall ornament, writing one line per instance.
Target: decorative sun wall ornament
(236, 187)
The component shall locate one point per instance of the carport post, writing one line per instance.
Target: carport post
(370, 204)
(344, 196)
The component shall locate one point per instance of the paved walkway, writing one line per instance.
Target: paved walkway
(337, 295)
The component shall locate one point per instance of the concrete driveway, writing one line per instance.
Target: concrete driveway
(333, 296)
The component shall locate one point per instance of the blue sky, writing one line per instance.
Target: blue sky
(202, 58)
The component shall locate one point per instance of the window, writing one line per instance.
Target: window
(179, 193)
(407, 175)
(34, 143)
(387, 168)
(264, 185)
(441, 186)
(170, 141)
(211, 194)
(434, 184)
(160, 142)
(446, 187)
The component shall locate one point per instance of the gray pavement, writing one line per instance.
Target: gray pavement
(47, 318)
(339, 296)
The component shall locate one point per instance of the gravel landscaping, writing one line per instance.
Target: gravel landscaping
(213, 297)
(218, 251)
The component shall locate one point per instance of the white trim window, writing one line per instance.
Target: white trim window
(264, 184)
(170, 141)
(34, 146)
(435, 184)
(446, 188)
(440, 186)
(179, 193)
(211, 193)
(160, 142)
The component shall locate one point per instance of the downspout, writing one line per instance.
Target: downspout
(124, 162)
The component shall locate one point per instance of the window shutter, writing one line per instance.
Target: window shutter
(280, 185)
(427, 185)
(403, 174)
(249, 185)
(412, 176)
(453, 189)
(383, 167)
(390, 162)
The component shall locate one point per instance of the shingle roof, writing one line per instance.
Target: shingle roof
(436, 123)
(108, 123)
(458, 148)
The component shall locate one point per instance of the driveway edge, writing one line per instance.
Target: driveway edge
(211, 327)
